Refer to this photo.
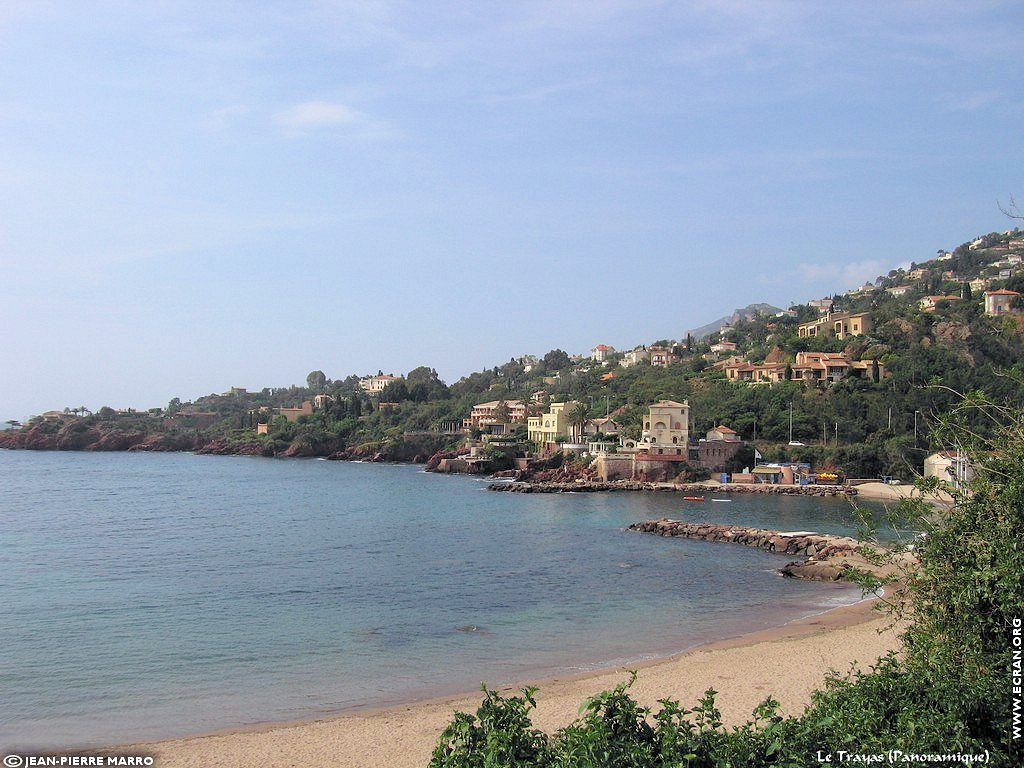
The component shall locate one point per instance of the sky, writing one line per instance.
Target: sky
(200, 195)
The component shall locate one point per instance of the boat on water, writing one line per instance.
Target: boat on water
(721, 499)
(693, 498)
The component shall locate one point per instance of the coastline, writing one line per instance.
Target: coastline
(787, 662)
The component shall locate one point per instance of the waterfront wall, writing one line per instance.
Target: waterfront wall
(826, 557)
(695, 489)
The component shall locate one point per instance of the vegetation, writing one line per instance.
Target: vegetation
(867, 427)
(947, 693)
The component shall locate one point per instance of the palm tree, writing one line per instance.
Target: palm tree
(579, 415)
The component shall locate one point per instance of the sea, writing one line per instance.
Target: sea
(147, 596)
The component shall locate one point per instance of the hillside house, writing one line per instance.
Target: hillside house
(897, 290)
(838, 324)
(375, 384)
(601, 352)
(321, 401)
(755, 373)
(635, 356)
(723, 347)
(1000, 302)
(662, 356)
(830, 367)
(931, 303)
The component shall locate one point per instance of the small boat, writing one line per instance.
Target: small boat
(721, 499)
(693, 498)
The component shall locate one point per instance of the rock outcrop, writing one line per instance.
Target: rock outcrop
(826, 557)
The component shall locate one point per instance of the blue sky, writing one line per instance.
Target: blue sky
(205, 195)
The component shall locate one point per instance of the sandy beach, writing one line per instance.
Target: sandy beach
(885, 492)
(787, 662)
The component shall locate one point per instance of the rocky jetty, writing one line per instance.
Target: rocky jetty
(826, 557)
(590, 486)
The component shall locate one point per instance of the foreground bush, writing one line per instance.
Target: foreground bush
(948, 692)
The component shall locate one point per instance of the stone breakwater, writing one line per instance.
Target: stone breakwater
(688, 488)
(826, 557)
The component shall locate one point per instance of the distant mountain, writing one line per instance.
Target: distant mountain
(744, 313)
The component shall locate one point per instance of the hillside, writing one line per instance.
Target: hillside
(744, 313)
(920, 353)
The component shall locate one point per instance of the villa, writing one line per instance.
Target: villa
(931, 303)
(838, 324)
(999, 302)
(375, 384)
(484, 415)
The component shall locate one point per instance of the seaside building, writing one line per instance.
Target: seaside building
(603, 425)
(666, 428)
(544, 430)
(486, 415)
(950, 467)
(717, 448)
(292, 414)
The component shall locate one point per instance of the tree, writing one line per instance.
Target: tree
(316, 381)
(501, 412)
(579, 414)
(556, 360)
(395, 392)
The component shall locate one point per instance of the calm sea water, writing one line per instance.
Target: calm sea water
(152, 595)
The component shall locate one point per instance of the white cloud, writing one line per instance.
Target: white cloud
(320, 116)
(843, 276)
(311, 115)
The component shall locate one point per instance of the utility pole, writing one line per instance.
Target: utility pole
(890, 418)
(837, 435)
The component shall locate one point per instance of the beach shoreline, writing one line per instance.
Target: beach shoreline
(788, 662)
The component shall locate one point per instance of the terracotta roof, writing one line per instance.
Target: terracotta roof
(1002, 292)
(724, 429)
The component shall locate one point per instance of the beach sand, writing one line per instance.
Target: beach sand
(885, 492)
(786, 662)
